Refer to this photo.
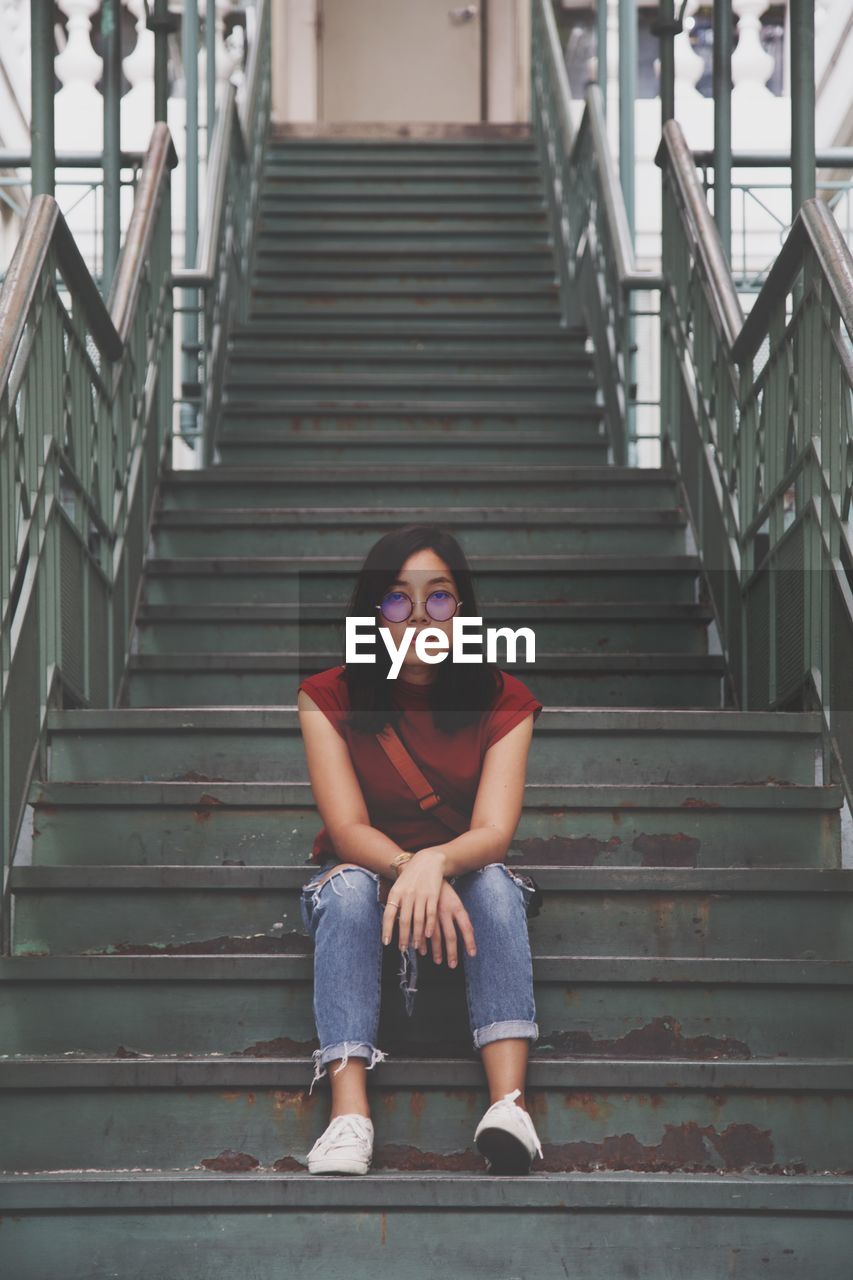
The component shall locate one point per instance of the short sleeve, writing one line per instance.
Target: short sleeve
(514, 703)
(324, 689)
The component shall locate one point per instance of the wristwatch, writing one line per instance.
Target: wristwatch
(399, 861)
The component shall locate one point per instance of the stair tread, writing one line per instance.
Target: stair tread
(424, 473)
(155, 1070)
(277, 660)
(404, 1190)
(609, 879)
(651, 796)
(632, 970)
(580, 719)
(557, 561)
(502, 516)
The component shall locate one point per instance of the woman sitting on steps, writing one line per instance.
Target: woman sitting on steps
(386, 862)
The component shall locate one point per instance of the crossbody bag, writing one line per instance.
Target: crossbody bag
(430, 801)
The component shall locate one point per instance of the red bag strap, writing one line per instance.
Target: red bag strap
(420, 786)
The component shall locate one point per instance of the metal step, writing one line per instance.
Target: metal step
(735, 1118)
(582, 746)
(767, 913)
(255, 531)
(655, 1225)
(620, 488)
(575, 824)
(535, 579)
(235, 1004)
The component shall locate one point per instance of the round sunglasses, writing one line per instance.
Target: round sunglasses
(440, 605)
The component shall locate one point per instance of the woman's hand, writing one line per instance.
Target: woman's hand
(428, 906)
(451, 915)
(413, 898)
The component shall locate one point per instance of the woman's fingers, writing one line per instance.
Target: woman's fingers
(463, 921)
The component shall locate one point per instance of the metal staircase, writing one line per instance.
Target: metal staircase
(402, 358)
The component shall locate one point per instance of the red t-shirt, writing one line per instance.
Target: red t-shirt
(451, 762)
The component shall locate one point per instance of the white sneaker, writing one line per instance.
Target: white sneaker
(506, 1137)
(346, 1146)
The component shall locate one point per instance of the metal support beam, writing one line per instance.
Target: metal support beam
(190, 364)
(161, 22)
(41, 98)
(601, 49)
(111, 52)
(210, 69)
(627, 95)
(666, 28)
(722, 73)
(802, 103)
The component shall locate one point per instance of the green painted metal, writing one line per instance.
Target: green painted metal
(590, 823)
(598, 273)
(627, 95)
(161, 23)
(41, 99)
(623, 746)
(112, 55)
(190, 357)
(802, 104)
(216, 280)
(601, 50)
(592, 911)
(82, 431)
(763, 443)
(216, 1221)
(723, 39)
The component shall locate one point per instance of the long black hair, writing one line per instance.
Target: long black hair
(460, 693)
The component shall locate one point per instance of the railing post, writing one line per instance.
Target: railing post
(190, 328)
(723, 123)
(111, 41)
(41, 104)
(802, 104)
(627, 94)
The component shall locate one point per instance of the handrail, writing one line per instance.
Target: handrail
(763, 447)
(226, 244)
(558, 71)
(673, 151)
(46, 231)
(85, 429)
(616, 214)
(127, 281)
(598, 270)
(813, 226)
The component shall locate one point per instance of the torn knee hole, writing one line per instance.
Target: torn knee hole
(337, 871)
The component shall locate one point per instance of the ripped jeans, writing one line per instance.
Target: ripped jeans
(344, 917)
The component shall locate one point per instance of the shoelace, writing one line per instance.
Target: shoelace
(342, 1126)
(509, 1100)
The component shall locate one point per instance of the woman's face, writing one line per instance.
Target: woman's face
(423, 573)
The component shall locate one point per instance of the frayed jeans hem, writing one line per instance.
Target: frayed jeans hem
(345, 1050)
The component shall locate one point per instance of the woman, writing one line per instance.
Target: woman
(385, 862)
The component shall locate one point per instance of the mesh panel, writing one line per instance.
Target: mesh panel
(790, 610)
(71, 606)
(23, 710)
(758, 636)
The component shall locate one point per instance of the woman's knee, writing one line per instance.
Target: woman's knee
(345, 888)
(494, 885)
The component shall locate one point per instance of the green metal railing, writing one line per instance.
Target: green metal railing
(85, 421)
(758, 417)
(598, 271)
(218, 287)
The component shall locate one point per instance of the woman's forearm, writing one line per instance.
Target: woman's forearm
(472, 849)
(366, 846)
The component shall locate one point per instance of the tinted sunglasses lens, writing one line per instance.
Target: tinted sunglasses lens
(396, 607)
(441, 605)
